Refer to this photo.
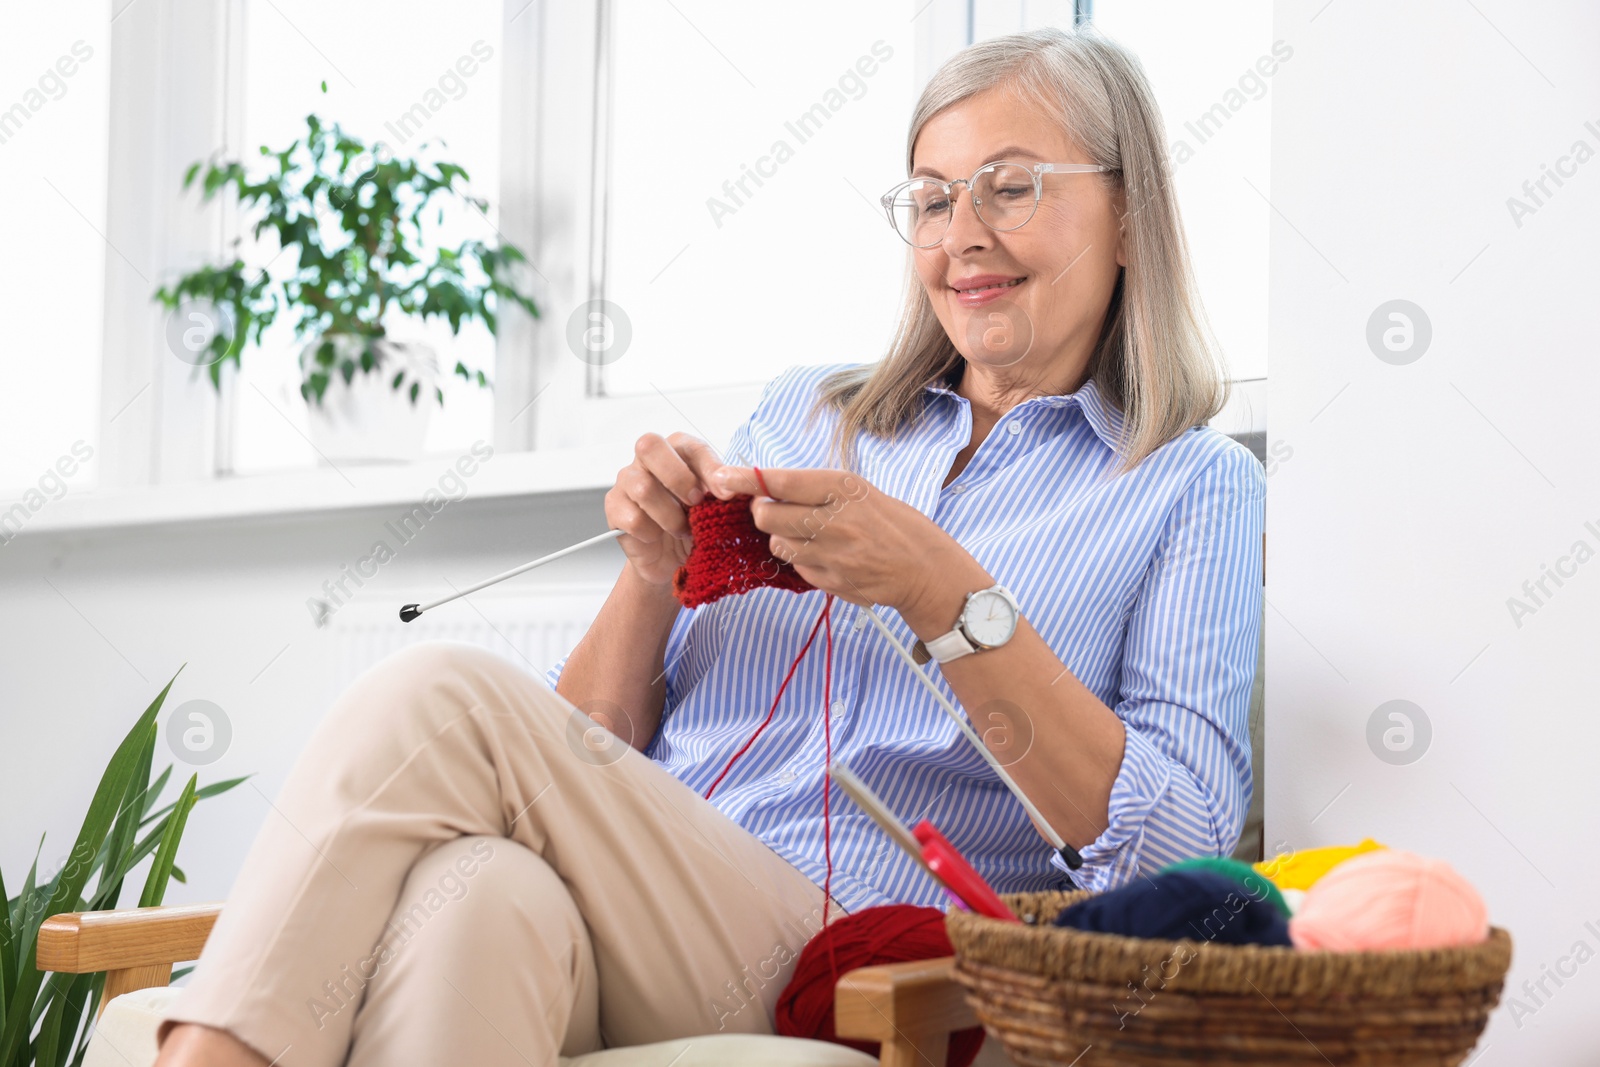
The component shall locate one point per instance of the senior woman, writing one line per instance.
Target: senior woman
(1024, 486)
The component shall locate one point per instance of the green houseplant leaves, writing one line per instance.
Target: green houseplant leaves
(354, 218)
(44, 1019)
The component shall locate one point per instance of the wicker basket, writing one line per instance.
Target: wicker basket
(1060, 996)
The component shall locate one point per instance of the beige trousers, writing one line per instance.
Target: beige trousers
(463, 868)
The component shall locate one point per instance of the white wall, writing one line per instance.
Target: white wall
(1417, 498)
(96, 622)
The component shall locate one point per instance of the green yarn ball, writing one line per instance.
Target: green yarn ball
(1247, 876)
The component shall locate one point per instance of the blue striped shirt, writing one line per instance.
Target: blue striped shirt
(1147, 586)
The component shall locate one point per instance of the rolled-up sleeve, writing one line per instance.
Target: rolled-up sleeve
(1189, 660)
(553, 673)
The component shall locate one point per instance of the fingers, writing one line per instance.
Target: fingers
(731, 481)
(626, 514)
(798, 485)
(651, 493)
(664, 511)
(667, 461)
(701, 459)
(797, 522)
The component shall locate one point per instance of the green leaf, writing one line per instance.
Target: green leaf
(154, 792)
(97, 988)
(57, 1010)
(69, 885)
(46, 1052)
(155, 886)
(133, 804)
(8, 967)
(214, 789)
(324, 85)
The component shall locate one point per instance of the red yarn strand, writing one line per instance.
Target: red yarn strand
(792, 668)
(827, 761)
(732, 555)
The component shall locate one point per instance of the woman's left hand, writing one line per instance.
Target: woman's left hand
(849, 538)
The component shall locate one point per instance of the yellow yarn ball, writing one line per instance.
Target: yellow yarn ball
(1302, 869)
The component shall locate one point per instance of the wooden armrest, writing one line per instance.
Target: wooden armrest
(89, 941)
(136, 947)
(910, 1008)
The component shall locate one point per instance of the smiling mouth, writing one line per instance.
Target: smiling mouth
(1001, 285)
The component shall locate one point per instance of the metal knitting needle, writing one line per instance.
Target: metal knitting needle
(873, 805)
(1068, 853)
(412, 611)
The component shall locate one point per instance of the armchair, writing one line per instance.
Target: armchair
(910, 1008)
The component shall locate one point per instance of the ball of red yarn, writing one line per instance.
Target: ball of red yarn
(730, 555)
(893, 933)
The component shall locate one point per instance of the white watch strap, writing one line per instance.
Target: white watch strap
(947, 647)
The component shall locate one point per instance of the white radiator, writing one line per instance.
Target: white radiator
(534, 628)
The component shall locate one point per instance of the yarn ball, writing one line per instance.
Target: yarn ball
(1254, 882)
(1390, 900)
(1301, 869)
(1196, 904)
(730, 555)
(892, 933)
(1295, 898)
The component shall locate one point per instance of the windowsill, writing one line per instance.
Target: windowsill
(326, 490)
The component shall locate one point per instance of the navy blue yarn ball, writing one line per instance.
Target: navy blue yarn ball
(1193, 904)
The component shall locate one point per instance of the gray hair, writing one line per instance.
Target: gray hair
(1156, 359)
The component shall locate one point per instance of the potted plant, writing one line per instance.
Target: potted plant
(357, 220)
(46, 1018)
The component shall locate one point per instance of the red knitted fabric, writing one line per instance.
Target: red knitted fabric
(730, 555)
(893, 933)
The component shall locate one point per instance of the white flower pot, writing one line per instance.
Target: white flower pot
(369, 421)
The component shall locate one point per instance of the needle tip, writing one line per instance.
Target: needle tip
(409, 612)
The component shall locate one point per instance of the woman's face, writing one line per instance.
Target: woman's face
(1031, 299)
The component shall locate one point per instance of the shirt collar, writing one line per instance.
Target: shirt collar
(1102, 415)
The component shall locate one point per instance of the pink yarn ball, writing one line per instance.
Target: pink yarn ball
(1389, 900)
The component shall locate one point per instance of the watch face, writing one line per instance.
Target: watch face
(989, 618)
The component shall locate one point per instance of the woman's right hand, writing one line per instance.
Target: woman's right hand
(649, 502)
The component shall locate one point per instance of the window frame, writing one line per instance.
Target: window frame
(556, 94)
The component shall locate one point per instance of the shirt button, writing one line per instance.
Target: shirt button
(1013, 427)
(838, 709)
(861, 620)
(958, 488)
(786, 775)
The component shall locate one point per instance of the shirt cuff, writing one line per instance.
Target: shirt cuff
(1112, 859)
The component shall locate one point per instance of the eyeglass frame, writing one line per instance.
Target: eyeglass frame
(1037, 172)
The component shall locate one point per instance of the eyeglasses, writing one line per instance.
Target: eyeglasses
(1004, 195)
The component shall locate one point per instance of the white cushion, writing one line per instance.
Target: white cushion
(728, 1050)
(126, 1037)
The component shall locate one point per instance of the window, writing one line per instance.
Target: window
(392, 74)
(54, 129)
(749, 238)
(728, 206)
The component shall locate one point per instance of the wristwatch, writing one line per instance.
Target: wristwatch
(987, 620)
